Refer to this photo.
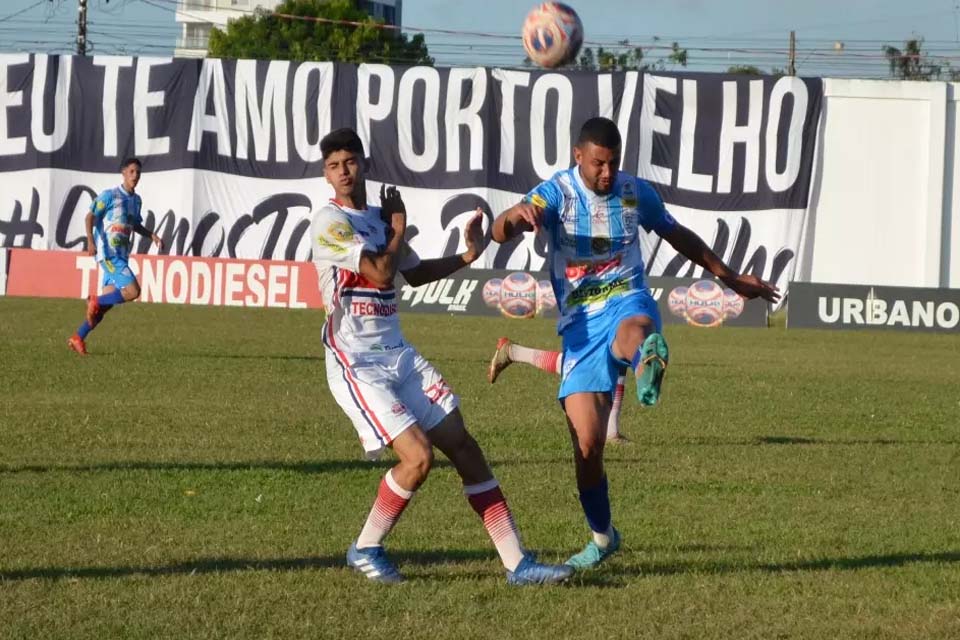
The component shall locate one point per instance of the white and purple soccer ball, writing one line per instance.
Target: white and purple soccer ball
(491, 293)
(677, 302)
(545, 296)
(552, 34)
(705, 301)
(518, 295)
(732, 304)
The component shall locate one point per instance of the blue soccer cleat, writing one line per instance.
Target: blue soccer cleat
(654, 356)
(529, 571)
(592, 555)
(373, 563)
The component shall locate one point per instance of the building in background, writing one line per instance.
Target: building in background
(197, 17)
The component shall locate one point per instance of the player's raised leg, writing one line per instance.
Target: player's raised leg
(508, 352)
(396, 489)
(485, 496)
(586, 419)
(639, 342)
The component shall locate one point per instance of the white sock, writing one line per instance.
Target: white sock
(613, 422)
(604, 539)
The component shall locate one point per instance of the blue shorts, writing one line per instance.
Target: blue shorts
(588, 361)
(116, 272)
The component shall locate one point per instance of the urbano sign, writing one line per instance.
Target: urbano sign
(835, 306)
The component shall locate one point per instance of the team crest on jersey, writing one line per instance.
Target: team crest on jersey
(537, 200)
(600, 245)
(100, 205)
(628, 193)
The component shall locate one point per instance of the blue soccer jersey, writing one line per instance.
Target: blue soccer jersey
(115, 214)
(594, 247)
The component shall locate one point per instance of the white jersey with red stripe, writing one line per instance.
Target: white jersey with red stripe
(383, 384)
(361, 317)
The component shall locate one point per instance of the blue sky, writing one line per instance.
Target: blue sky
(717, 33)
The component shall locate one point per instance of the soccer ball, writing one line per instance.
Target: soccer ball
(552, 34)
(732, 304)
(705, 304)
(545, 297)
(518, 295)
(491, 292)
(677, 302)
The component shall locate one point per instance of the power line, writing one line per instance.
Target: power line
(17, 13)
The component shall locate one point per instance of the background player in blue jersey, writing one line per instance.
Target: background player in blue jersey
(591, 215)
(113, 217)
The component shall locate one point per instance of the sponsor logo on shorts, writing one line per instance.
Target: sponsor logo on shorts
(398, 409)
(568, 365)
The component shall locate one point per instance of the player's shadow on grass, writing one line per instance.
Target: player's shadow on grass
(822, 564)
(420, 562)
(791, 440)
(326, 466)
(251, 356)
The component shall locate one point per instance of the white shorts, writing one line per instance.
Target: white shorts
(384, 393)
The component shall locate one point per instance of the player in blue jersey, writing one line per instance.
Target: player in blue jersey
(113, 217)
(591, 215)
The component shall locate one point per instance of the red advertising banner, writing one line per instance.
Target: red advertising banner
(171, 279)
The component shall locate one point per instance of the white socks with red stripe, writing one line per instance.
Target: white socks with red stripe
(488, 501)
(391, 500)
(613, 422)
(549, 361)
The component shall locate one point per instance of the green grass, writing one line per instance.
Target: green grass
(193, 478)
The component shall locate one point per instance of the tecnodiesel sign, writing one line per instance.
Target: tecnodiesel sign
(521, 294)
(841, 306)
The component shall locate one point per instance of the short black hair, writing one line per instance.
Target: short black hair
(129, 161)
(602, 132)
(345, 139)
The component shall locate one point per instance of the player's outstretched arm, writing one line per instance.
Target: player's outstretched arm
(519, 218)
(693, 247)
(427, 271)
(146, 233)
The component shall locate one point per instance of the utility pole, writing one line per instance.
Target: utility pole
(82, 28)
(792, 60)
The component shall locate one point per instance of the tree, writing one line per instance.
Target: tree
(912, 63)
(627, 58)
(745, 69)
(265, 36)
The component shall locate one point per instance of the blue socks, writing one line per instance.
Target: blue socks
(112, 298)
(596, 506)
(84, 329)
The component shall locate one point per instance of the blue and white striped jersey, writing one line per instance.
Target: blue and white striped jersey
(115, 214)
(594, 247)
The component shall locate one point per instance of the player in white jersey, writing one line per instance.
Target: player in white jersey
(591, 215)
(392, 395)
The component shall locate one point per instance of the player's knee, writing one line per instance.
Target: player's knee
(420, 463)
(590, 449)
(131, 292)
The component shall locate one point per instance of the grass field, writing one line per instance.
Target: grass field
(193, 478)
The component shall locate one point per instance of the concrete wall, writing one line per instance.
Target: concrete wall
(885, 201)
